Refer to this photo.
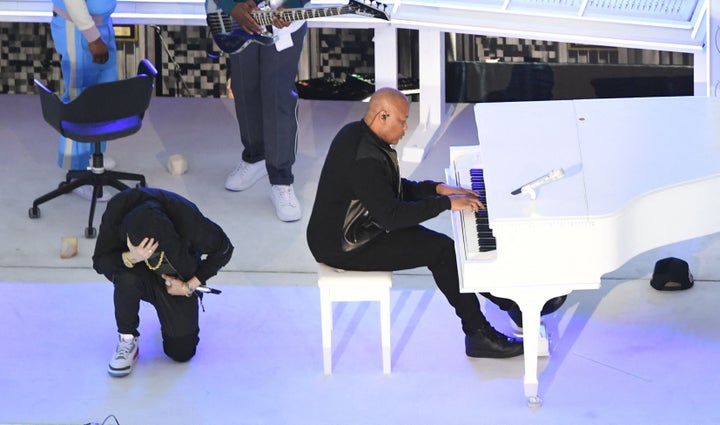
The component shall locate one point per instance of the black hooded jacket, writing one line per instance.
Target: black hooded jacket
(192, 243)
(360, 166)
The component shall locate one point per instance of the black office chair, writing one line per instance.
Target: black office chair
(101, 112)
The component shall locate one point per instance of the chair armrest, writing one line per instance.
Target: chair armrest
(145, 67)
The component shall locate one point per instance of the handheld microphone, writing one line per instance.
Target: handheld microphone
(207, 290)
(202, 288)
(553, 175)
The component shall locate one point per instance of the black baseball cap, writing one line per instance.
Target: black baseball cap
(671, 274)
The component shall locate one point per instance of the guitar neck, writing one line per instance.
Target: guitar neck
(299, 14)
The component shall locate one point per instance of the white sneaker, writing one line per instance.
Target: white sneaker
(86, 192)
(245, 175)
(126, 354)
(287, 206)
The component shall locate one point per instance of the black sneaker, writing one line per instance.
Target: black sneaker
(489, 343)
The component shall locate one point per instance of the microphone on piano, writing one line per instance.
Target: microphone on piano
(529, 188)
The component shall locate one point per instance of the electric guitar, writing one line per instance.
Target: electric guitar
(230, 38)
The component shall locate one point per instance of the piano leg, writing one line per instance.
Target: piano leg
(531, 338)
(531, 301)
(544, 342)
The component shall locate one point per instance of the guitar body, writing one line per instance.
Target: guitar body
(236, 40)
(230, 38)
(228, 35)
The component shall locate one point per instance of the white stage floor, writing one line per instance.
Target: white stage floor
(624, 354)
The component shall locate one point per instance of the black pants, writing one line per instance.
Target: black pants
(513, 309)
(178, 315)
(263, 84)
(418, 247)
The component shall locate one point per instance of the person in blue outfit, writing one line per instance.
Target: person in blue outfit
(83, 34)
(263, 87)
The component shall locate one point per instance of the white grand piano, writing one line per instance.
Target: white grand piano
(667, 25)
(639, 174)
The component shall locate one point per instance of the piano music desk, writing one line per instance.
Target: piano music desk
(640, 173)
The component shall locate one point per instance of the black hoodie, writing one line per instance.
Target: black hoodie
(192, 243)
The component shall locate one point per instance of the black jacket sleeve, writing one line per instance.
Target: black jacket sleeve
(209, 241)
(373, 184)
(204, 238)
(109, 246)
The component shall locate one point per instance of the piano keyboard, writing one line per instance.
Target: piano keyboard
(477, 238)
(474, 239)
(485, 238)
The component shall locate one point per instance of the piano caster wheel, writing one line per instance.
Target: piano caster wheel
(534, 402)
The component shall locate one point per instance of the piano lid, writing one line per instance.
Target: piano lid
(638, 10)
(657, 11)
(672, 25)
(612, 151)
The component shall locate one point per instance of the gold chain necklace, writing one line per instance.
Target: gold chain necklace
(147, 263)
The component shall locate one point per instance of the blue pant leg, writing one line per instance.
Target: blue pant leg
(79, 72)
(263, 83)
(279, 108)
(245, 72)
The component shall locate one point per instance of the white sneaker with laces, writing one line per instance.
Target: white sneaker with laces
(126, 354)
(287, 206)
(245, 175)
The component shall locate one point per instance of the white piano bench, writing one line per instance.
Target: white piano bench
(350, 286)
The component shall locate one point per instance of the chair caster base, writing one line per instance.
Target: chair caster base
(90, 232)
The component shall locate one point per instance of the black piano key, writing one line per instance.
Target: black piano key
(486, 240)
